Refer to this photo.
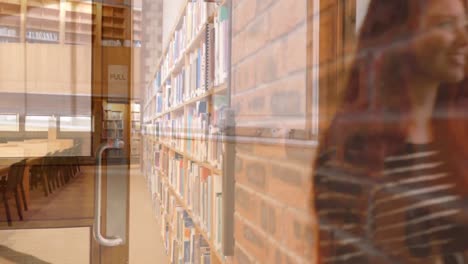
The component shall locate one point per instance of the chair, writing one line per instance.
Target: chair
(38, 175)
(63, 166)
(76, 160)
(20, 184)
(49, 169)
(9, 187)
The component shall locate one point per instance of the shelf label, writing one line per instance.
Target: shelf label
(118, 80)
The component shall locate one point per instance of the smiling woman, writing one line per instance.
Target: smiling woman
(390, 183)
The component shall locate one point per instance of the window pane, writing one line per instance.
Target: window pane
(75, 124)
(37, 123)
(9, 123)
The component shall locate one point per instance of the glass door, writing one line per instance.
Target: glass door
(64, 131)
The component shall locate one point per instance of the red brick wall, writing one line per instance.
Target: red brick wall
(269, 60)
(273, 223)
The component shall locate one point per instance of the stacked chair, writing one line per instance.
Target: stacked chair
(52, 172)
(55, 170)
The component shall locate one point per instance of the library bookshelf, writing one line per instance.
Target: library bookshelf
(135, 131)
(80, 22)
(69, 22)
(182, 121)
(10, 18)
(137, 27)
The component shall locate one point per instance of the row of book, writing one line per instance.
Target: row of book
(42, 36)
(181, 240)
(184, 245)
(111, 43)
(197, 185)
(194, 131)
(189, 247)
(204, 198)
(206, 67)
(195, 76)
(201, 191)
(190, 82)
(195, 82)
(8, 32)
(197, 15)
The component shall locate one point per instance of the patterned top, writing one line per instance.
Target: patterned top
(411, 214)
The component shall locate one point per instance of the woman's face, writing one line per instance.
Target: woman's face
(440, 47)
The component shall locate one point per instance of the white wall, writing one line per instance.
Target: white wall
(171, 11)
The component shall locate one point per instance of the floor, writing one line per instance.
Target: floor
(146, 244)
(29, 245)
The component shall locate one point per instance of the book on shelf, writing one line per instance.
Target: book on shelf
(197, 15)
(177, 46)
(222, 38)
(204, 252)
(218, 210)
(198, 118)
(47, 36)
(157, 83)
(172, 131)
(8, 32)
(195, 75)
(111, 43)
(167, 95)
(200, 190)
(176, 173)
(182, 241)
(179, 89)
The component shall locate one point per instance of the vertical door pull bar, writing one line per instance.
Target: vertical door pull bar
(104, 241)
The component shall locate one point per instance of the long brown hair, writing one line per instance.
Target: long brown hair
(372, 118)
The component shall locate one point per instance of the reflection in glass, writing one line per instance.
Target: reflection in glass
(9, 122)
(37, 123)
(75, 124)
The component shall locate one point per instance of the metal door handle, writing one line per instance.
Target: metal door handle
(102, 240)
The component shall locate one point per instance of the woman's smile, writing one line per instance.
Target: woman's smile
(458, 58)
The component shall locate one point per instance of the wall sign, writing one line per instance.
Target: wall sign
(117, 80)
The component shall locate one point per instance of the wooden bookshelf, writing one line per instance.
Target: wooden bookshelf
(135, 132)
(114, 24)
(80, 23)
(10, 21)
(69, 22)
(43, 21)
(182, 115)
(113, 125)
(137, 27)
